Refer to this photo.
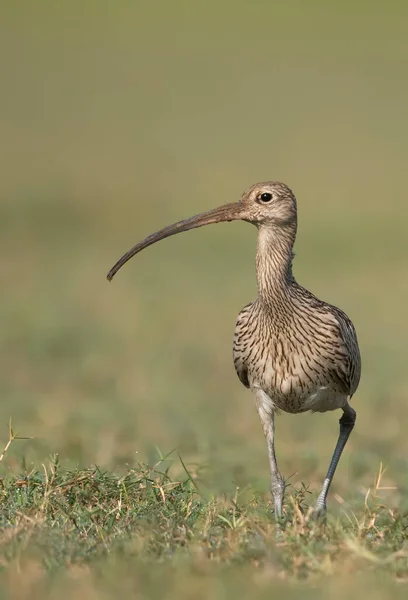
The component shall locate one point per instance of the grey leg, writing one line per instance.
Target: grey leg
(346, 426)
(277, 482)
(267, 416)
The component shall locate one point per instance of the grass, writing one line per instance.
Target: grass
(117, 119)
(61, 524)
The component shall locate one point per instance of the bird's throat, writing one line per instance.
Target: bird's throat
(274, 257)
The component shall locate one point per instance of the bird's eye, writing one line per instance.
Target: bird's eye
(265, 197)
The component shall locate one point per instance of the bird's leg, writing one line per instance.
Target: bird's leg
(277, 482)
(267, 416)
(346, 426)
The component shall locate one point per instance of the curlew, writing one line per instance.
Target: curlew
(295, 352)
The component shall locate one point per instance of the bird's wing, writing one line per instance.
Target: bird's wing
(241, 344)
(352, 365)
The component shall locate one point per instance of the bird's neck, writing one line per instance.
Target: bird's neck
(274, 263)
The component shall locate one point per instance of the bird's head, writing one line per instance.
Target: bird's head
(268, 204)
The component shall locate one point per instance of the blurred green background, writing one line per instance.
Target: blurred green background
(118, 118)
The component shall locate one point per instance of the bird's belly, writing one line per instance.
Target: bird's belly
(297, 392)
(286, 399)
(324, 399)
(321, 400)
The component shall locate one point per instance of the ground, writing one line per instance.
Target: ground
(95, 532)
(117, 119)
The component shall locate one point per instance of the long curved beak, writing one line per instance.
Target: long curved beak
(227, 212)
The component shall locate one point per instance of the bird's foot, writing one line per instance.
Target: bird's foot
(278, 502)
(279, 517)
(319, 513)
(280, 526)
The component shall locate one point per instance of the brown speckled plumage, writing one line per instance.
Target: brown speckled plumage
(295, 352)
